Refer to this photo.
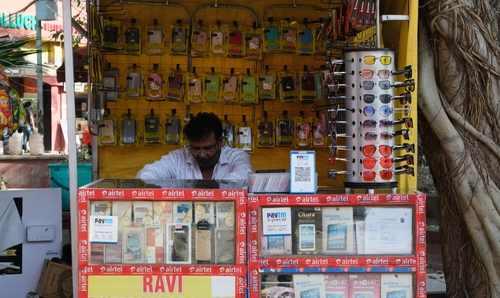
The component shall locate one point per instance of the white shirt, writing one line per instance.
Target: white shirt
(233, 164)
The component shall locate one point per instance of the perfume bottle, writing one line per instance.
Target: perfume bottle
(318, 83)
(195, 88)
(307, 85)
(133, 38)
(245, 141)
(288, 85)
(128, 129)
(111, 34)
(230, 86)
(175, 86)
(267, 84)
(253, 43)
(319, 131)
(217, 39)
(248, 89)
(284, 130)
(134, 81)
(302, 131)
(154, 85)
(155, 39)
(265, 132)
(173, 129)
(288, 36)
(179, 39)
(200, 42)
(235, 42)
(271, 36)
(110, 83)
(151, 128)
(107, 133)
(187, 117)
(305, 39)
(212, 86)
(228, 132)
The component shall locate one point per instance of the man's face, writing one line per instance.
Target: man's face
(206, 151)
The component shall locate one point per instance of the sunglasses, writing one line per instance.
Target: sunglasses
(370, 60)
(407, 72)
(406, 169)
(384, 150)
(368, 85)
(386, 162)
(367, 74)
(409, 85)
(369, 163)
(384, 74)
(368, 98)
(404, 98)
(369, 176)
(370, 136)
(386, 110)
(369, 124)
(389, 135)
(369, 111)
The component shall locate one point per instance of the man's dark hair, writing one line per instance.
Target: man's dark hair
(203, 125)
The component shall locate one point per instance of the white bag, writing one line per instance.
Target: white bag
(16, 144)
(36, 143)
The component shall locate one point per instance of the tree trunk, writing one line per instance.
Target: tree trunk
(459, 88)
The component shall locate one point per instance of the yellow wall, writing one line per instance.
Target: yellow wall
(124, 162)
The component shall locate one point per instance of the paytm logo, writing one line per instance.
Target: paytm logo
(103, 220)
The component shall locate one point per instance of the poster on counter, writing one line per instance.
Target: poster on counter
(338, 230)
(396, 285)
(276, 221)
(388, 231)
(309, 285)
(103, 229)
(303, 172)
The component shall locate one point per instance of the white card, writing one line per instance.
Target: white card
(103, 229)
(303, 172)
(277, 221)
(388, 230)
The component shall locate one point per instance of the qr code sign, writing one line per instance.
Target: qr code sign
(302, 174)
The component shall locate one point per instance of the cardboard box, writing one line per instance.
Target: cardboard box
(55, 281)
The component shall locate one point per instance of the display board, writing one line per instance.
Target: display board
(337, 244)
(152, 242)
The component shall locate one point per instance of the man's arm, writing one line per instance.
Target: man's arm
(240, 167)
(158, 170)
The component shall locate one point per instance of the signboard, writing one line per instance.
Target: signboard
(165, 286)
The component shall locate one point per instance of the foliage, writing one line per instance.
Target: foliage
(12, 53)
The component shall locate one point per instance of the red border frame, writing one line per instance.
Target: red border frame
(415, 263)
(238, 196)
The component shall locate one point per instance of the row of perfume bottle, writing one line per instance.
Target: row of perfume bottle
(285, 131)
(232, 88)
(224, 40)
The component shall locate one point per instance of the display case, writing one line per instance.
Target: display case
(181, 238)
(337, 246)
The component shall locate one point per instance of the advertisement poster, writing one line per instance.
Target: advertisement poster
(103, 229)
(276, 221)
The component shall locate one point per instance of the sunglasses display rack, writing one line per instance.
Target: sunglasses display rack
(374, 125)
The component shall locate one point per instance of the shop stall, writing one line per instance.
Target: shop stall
(324, 81)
